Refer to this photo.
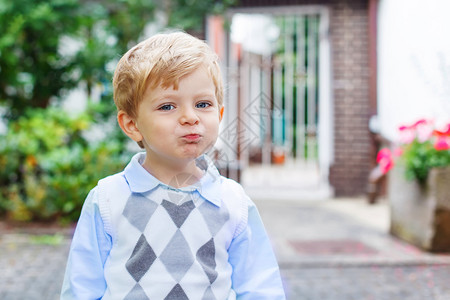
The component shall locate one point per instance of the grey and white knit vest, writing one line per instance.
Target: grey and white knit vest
(169, 243)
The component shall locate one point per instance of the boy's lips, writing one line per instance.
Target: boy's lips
(192, 137)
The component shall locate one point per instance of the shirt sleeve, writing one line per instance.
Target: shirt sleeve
(84, 277)
(255, 269)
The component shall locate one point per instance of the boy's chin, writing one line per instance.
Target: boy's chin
(195, 152)
(193, 156)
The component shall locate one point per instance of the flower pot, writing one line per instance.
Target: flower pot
(420, 213)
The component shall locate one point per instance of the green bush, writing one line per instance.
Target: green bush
(47, 165)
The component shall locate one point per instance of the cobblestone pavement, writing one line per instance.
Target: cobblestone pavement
(341, 250)
(389, 282)
(30, 267)
(337, 250)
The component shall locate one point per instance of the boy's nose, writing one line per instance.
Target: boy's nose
(188, 116)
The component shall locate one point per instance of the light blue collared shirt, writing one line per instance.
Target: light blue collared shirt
(254, 269)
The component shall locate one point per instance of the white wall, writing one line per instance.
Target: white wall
(413, 62)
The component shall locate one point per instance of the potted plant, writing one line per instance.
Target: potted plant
(419, 185)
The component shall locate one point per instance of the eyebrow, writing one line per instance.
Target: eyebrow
(164, 95)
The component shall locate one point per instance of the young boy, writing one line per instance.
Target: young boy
(169, 226)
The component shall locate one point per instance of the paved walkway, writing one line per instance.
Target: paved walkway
(336, 249)
(340, 250)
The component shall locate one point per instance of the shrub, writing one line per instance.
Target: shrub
(47, 166)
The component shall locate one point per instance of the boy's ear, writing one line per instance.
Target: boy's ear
(128, 126)
(221, 113)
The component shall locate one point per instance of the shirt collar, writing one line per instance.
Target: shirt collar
(141, 181)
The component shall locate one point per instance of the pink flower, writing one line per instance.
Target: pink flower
(407, 134)
(442, 143)
(421, 121)
(424, 130)
(425, 145)
(398, 152)
(442, 138)
(384, 160)
(444, 132)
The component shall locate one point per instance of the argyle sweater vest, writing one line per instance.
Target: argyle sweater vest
(167, 243)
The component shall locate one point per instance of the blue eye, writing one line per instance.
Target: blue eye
(166, 107)
(203, 104)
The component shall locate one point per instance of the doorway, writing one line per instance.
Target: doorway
(277, 130)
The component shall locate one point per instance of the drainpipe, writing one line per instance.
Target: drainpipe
(373, 14)
(376, 180)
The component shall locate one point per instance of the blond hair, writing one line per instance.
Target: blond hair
(161, 60)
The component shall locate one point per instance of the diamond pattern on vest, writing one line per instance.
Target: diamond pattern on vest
(177, 293)
(206, 257)
(177, 256)
(137, 293)
(178, 213)
(214, 216)
(141, 259)
(139, 210)
(208, 295)
(181, 252)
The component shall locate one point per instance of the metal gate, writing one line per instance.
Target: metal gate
(276, 91)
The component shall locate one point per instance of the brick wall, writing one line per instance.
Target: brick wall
(350, 56)
(349, 38)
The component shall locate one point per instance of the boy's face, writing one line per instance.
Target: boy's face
(180, 125)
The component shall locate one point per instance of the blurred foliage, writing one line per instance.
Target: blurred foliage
(420, 157)
(47, 165)
(31, 69)
(189, 14)
(46, 239)
(47, 48)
